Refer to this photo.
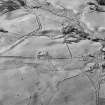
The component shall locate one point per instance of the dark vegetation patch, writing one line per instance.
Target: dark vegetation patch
(11, 5)
(101, 2)
(3, 31)
(22, 2)
(96, 7)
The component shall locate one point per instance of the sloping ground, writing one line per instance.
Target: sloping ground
(94, 20)
(15, 24)
(38, 68)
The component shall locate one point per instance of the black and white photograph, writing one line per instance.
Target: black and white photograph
(52, 52)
